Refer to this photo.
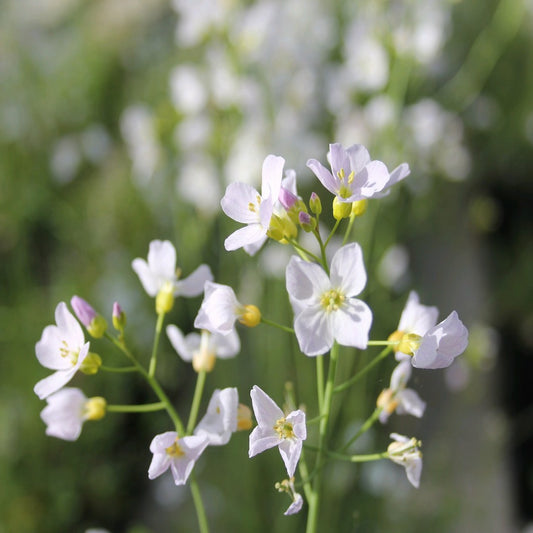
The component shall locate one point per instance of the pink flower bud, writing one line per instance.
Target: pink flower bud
(83, 310)
(286, 198)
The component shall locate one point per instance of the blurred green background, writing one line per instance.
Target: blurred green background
(122, 122)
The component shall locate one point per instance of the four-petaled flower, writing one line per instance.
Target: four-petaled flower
(61, 348)
(325, 306)
(399, 398)
(404, 451)
(276, 429)
(354, 176)
(243, 203)
(426, 344)
(158, 275)
(178, 454)
(220, 421)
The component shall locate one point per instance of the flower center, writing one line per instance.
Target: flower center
(66, 352)
(407, 343)
(175, 450)
(254, 207)
(284, 429)
(332, 300)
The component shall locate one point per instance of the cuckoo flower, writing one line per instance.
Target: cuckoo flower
(243, 203)
(220, 309)
(178, 454)
(61, 348)
(67, 410)
(159, 277)
(405, 452)
(287, 485)
(220, 421)
(203, 349)
(354, 176)
(276, 429)
(398, 398)
(325, 307)
(429, 346)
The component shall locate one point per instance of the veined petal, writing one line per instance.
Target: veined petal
(417, 318)
(162, 259)
(324, 175)
(259, 442)
(314, 330)
(305, 281)
(377, 176)
(290, 450)
(347, 271)
(241, 203)
(351, 324)
(245, 236)
(359, 157)
(338, 159)
(272, 173)
(193, 285)
(266, 411)
(184, 346)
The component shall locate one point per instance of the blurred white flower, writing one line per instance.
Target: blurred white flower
(188, 90)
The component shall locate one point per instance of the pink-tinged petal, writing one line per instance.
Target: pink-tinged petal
(401, 375)
(219, 309)
(295, 506)
(193, 285)
(53, 383)
(252, 248)
(338, 159)
(180, 344)
(347, 271)
(272, 173)
(358, 156)
(237, 201)
(70, 328)
(409, 402)
(417, 318)
(305, 282)
(351, 324)
(377, 177)
(314, 331)
(159, 464)
(245, 236)
(289, 182)
(162, 259)
(48, 349)
(266, 411)
(259, 441)
(324, 175)
(149, 282)
(290, 451)
(227, 346)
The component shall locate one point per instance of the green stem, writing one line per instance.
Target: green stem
(304, 251)
(332, 232)
(382, 343)
(369, 422)
(145, 408)
(153, 359)
(363, 371)
(320, 382)
(276, 325)
(348, 229)
(198, 504)
(118, 369)
(198, 391)
(322, 249)
(359, 458)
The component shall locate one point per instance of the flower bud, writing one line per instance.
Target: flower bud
(164, 301)
(359, 207)
(407, 343)
(91, 364)
(315, 204)
(387, 401)
(341, 209)
(95, 324)
(95, 408)
(119, 317)
(251, 316)
(244, 417)
(287, 199)
(307, 222)
(203, 359)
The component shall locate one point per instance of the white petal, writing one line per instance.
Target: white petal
(413, 469)
(180, 344)
(237, 201)
(377, 177)
(290, 450)
(297, 419)
(162, 441)
(219, 309)
(220, 421)
(254, 247)
(162, 259)
(193, 285)
(226, 345)
(324, 175)
(351, 324)
(70, 328)
(410, 403)
(261, 440)
(148, 280)
(53, 383)
(272, 173)
(159, 464)
(63, 415)
(417, 318)
(359, 157)
(48, 349)
(295, 506)
(266, 411)
(305, 281)
(347, 271)
(401, 375)
(314, 331)
(245, 236)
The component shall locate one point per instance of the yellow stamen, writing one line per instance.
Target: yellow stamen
(175, 449)
(284, 429)
(332, 300)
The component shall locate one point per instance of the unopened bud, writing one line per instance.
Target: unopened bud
(315, 204)
(244, 417)
(251, 316)
(95, 324)
(341, 209)
(95, 408)
(307, 222)
(91, 364)
(203, 359)
(286, 198)
(164, 301)
(119, 317)
(359, 207)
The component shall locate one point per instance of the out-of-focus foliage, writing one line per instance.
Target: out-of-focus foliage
(121, 122)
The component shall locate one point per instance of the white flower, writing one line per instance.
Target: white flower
(405, 452)
(287, 485)
(276, 429)
(430, 346)
(61, 348)
(178, 454)
(159, 273)
(243, 203)
(398, 398)
(220, 421)
(220, 309)
(296, 505)
(354, 176)
(203, 349)
(65, 413)
(325, 307)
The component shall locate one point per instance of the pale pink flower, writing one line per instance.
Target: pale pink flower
(65, 413)
(220, 420)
